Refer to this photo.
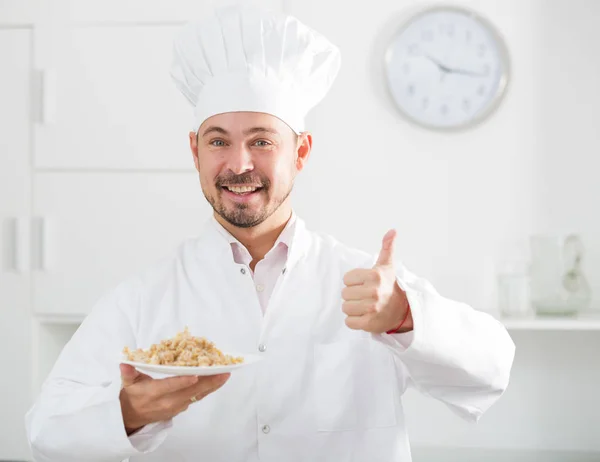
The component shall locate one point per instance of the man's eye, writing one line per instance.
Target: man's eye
(218, 143)
(262, 143)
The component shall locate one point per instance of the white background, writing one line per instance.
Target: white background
(112, 201)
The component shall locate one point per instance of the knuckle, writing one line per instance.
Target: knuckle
(345, 293)
(168, 406)
(345, 307)
(346, 279)
(350, 323)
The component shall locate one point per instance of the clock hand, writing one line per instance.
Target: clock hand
(440, 66)
(465, 72)
(448, 70)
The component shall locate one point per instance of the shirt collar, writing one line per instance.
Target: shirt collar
(286, 236)
(214, 243)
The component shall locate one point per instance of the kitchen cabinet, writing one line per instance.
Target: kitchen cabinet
(107, 98)
(108, 102)
(137, 11)
(19, 12)
(15, 199)
(93, 230)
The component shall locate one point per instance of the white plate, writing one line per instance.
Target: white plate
(189, 370)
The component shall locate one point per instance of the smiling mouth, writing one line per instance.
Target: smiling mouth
(242, 190)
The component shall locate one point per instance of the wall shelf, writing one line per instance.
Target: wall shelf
(554, 323)
(61, 319)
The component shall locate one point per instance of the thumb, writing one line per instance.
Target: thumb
(129, 375)
(386, 256)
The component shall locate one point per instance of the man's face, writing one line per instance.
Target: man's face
(247, 163)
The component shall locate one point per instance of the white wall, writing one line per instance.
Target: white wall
(568, 142)
(462, 201)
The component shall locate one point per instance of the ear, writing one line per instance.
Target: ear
(194, 147)
(303, 149)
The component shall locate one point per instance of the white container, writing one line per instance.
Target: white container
(558, 285)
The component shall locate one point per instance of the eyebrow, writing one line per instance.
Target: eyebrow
(253, 130)
(212, 129)
(250, 131)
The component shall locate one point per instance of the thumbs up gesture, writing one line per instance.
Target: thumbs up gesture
(373, 300)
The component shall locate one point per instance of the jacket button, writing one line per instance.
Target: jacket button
(266, 429)
(243, 270)
(283, 270)
(262, 347)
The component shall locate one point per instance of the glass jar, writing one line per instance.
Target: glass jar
(514, 290)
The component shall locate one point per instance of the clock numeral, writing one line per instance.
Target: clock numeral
(444, 109)
(410, 89)
(481, 50)
(481, 90)
(413, 48)
(425, 103)
(447, 29)
(466, 104)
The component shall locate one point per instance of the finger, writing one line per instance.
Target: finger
(357, 293)
(179, 401)
(386, 256)
(205, 386)
(358, 322)
(357, 276)
(214, 386)
(358, 308)
(161, 387)
(130, 375)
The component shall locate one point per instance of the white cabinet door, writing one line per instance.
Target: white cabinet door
(19, 12)
(15, 190)
(107, 100)
(143, 10)
(97, 229)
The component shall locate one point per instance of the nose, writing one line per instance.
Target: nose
(240, 161)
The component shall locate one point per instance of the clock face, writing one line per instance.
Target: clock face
(447, 68)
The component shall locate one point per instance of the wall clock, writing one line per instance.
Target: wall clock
(447, 68)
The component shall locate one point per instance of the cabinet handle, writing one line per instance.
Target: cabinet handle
(44, 228)
(43, 237)
(21, 244)
(48, 101)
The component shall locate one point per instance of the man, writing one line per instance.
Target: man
(342, 333)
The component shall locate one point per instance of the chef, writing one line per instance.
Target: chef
(342, 333)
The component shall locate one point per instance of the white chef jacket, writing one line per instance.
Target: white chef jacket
(322, 392)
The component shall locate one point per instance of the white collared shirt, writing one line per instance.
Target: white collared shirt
(271, 267)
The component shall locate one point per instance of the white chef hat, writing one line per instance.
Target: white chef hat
(245, 58)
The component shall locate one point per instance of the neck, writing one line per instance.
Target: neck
(261, 238)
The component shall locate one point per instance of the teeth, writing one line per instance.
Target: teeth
(241, 189)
